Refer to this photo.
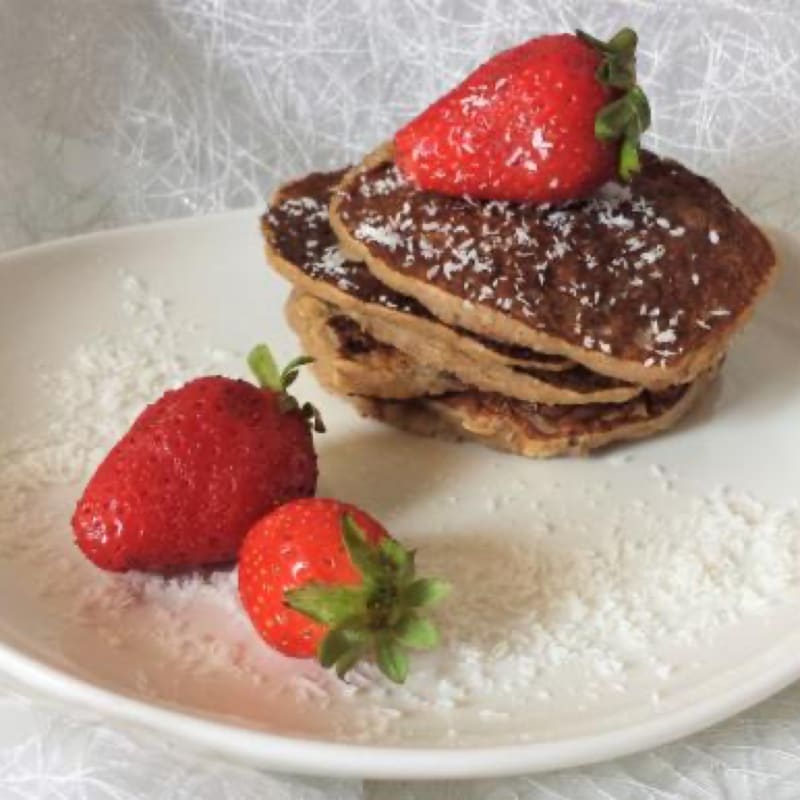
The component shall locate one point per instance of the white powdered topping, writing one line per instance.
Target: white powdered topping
(524, 607)
(634, 243)
(540, 144)
(526, 253)
(384, 185)
(647, 579)
(327, 261)
(307, 207)
(333, 265)
(515, 156)
(473, 101)
(561, 222)
(379, 234)
(649, 257)
(665, 337)
(611, 219)
(522, 236)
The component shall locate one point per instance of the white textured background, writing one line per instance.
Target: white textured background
(121, 111)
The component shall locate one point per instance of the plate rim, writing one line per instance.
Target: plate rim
(120, 231)
(308, 756)
(315, 757)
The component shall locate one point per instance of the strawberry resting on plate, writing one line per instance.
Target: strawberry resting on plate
(320, 577)
(550, 120)
(197, 468)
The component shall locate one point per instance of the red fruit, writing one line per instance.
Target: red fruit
(547, 121)
(322, 577)
(194, 472)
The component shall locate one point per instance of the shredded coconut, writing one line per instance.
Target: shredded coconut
(526, 606)
(540, 144)
(380, 235)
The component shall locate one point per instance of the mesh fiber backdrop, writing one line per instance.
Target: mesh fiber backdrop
(117, 111)
(121, 111)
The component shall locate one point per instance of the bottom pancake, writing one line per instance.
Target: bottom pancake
(536, 430)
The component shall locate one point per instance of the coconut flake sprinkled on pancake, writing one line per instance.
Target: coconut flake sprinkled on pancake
(670, 240)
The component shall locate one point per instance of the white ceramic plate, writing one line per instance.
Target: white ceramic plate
(601, 605)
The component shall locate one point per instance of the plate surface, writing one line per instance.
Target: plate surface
(601, 605)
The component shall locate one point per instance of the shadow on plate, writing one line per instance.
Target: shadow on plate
(498, 580)
(383, 469)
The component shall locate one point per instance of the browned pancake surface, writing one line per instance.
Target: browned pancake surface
(537, 419)
(532, 429)
(298, 227)
(644, 272)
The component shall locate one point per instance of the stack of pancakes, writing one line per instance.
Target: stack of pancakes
(532, 328)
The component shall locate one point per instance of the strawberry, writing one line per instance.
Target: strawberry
(547, 121)
(197, 468)
(320, 577)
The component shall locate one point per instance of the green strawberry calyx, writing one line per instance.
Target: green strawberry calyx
(628, 117)
(263, 365)
(379, 618)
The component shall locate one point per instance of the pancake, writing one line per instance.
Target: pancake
(532, 430)
(328, 334)
(302, 247)
(352, 363)
(646, 282)
(347, 360)
(384, 384)
(573, 386)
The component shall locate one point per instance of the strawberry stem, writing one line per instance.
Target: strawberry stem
(378, 618)
(262, 364)
(626, 118)
(290, 372)
(265, 369)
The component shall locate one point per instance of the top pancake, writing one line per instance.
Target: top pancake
(645, 282)
(302, 246)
